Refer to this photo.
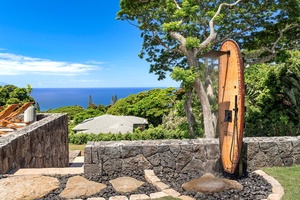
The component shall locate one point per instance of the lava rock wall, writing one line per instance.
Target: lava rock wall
(41, 144)
(181, 156)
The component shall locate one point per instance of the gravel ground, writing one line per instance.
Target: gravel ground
(146, 188)
(255, 187)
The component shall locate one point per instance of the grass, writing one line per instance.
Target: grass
(77, 147)
(288, 177)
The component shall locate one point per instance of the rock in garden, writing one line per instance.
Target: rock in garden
(208, 183)
(126, 184)
(27, 187)
(78, 186)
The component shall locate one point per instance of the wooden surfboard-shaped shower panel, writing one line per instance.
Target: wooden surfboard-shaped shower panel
(231, 100)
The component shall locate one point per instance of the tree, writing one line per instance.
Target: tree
(91, 104)
(71, 110)
(177, 32)
(11, 94)
(37, 107)
(152, 105)
(86, 114)
(273, 93)
(279, 32)
(114, 99)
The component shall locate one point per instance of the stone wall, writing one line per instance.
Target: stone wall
(271, 152)
(43, 143)
(184, 156)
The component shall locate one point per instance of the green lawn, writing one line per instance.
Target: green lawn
(288, 177)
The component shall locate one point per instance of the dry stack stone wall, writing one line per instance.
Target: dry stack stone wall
(41, 144)
(182, 156)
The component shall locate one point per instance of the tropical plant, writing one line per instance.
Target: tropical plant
(70, 110)
(152, 105)
(272, 96)
(11, 94)
(177, 32)
(86, 114)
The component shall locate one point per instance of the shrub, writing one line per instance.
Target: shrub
(153, 133)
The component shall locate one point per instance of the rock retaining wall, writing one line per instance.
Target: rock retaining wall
(182, 156)
(41, 144)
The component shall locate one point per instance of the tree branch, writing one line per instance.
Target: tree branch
(177, 36)
(273, 49)
(158, 39)
(212, 36)
(288, 27)
(132, 23)
(177, 6)
(233, 34)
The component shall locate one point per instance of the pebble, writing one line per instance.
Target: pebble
(254, 187)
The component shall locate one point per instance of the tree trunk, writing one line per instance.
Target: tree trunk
(189, 112)
(209, 74)
(209, 129)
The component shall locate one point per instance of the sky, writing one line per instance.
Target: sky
(71, 43)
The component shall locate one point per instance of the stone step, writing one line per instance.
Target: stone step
(77, 162)
(73, 154)
(49, 171)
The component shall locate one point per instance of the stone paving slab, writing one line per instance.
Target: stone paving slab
(27, 187)
(158, 195)
(139, 197)
(118, 198)
(73, 154)
(77, 162)
(164, 190)
(184, 197)
(49, 171)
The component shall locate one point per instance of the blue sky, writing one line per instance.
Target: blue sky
(51, 43)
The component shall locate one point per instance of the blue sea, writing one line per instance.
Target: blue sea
(51, 98)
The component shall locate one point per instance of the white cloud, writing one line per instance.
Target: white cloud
(93, 62)
(12, 64)
(87, 80)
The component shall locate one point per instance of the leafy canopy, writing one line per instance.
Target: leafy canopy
(174, 29)
(152, 105)
(11, 94)
(273, 98)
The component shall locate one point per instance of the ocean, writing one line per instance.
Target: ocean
(51, 98)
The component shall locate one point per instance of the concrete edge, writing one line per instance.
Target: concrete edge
(277, 189)
(164, 189)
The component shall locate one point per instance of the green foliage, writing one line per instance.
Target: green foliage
(86, 114)
(171, 26)
(70, 110)
(177, 32)
(272, 97)
(153, 133)
(192, 42)
(10, 94)
(254, 24)
(152, 105)
(187, 76)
